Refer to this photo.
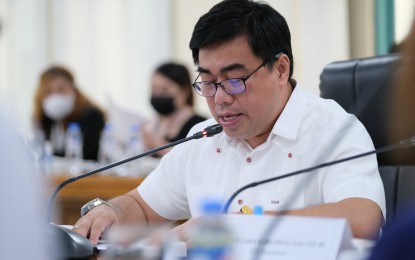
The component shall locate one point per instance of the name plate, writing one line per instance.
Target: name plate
(288, 237)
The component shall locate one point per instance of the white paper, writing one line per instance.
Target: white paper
(289, 237)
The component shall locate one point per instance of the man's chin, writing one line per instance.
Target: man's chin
(233, 133)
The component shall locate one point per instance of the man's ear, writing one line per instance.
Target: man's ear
(282, 67)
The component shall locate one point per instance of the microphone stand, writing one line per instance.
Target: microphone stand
(209, 131)
(402, 144)
(47, 214)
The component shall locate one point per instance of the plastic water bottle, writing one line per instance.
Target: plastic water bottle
(134, 147)
(211, 239)
(74, 146)
(110, 150)
(108, 147)
(47, 159)
(38, 146)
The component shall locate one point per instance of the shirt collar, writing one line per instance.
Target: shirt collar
(288, 123)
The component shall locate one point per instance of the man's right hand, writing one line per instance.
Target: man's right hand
(126, 209)
(96, 222)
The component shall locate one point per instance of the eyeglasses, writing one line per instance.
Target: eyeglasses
(230, 86)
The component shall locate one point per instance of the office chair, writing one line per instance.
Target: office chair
(363, 87)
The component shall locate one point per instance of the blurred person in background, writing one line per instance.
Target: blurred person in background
(172, 99)
(21, 219)
(24, 235)
(59, 102)
(398, 240)
(402, 121)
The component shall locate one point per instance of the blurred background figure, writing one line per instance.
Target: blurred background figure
(402, 120)
(172, 99)
(58, 103)
(21, 190)
(397, 242)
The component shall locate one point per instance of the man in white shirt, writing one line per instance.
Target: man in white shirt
(271, 127)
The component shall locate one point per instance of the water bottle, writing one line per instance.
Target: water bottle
(73, 149)
(134, 147)
(47, 159)
(109, 149)
(38, 147)
(211, 239)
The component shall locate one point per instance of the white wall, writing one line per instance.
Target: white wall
(112, 46)
(404, 14)
(320, 35)
(23, 50)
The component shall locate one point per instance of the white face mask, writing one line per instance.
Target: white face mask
(58, 106)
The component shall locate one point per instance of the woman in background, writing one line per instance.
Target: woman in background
(59, 102)
(172, 98)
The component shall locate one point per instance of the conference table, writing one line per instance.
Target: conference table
(70, 199)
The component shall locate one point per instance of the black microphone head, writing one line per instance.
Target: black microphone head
(209, 131)
(213, 130)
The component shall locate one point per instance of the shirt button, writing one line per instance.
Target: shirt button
(248, 159)
(218, 150)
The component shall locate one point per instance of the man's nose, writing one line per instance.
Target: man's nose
(221, 97)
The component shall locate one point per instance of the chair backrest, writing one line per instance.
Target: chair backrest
(398, 182)
(405, 196)
(363, 87)
(389, 175)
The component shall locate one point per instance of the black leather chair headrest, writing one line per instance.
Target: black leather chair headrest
(363, 87)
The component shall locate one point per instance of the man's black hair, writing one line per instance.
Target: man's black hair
(266, 30)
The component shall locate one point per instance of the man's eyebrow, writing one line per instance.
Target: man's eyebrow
(231, 67)
(202, 70)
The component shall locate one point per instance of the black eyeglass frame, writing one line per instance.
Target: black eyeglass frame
(196, 85)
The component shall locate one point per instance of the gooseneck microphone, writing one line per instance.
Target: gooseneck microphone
(208, 132)
(402, 144)
(73, 245)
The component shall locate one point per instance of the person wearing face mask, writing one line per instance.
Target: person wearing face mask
(172, 99)
(59, 102)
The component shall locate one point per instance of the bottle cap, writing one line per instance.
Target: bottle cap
(73, 126)
(211, 207)
(258, 210)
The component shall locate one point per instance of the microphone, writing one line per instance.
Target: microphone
(71, 243)
(402, 144)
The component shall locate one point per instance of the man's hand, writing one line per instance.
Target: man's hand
(127, 209)
(96, 221)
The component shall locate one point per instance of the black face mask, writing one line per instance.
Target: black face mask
(163, 105)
